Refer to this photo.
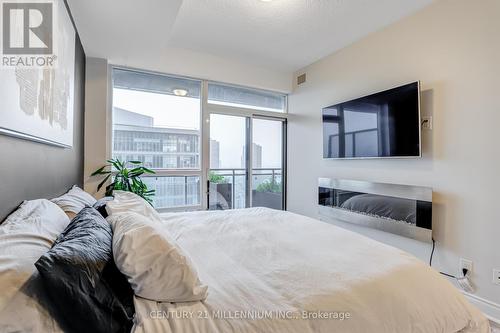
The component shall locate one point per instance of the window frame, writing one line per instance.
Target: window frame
(204, 139)
(239, 109)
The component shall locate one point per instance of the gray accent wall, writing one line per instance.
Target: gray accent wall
(30, 170)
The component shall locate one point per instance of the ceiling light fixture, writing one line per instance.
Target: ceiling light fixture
(180, 92)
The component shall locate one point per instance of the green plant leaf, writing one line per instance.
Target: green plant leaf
(117, 165)
(98, 171)
(109, 189)
(148, 170)
(269, 186)
(102, 183)
(125, 179)
(134, 174)
(216, 179)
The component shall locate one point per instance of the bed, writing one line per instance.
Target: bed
(273, 271)
(265, 270)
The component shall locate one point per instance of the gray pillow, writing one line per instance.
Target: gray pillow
(86, 291)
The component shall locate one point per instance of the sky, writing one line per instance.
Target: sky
(184, 112)
(167, 110)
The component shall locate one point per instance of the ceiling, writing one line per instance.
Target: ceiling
(281, 35)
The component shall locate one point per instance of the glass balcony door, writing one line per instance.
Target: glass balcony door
(267, 163)
(228, 174)
(239, 177)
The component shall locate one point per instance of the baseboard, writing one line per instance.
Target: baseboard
(489, 308)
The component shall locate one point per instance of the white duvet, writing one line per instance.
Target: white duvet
(273, 271)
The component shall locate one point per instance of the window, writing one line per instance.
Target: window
(221, 94)
(156, 120)
(175, 191)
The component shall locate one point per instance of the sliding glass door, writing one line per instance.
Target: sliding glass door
(240, 176)
(267, 163)
(228, 174)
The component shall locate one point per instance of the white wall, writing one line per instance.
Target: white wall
(453, 47)
(97, 120)
(208, 67)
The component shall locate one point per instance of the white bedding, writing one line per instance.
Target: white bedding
(274, 265)
(25, 235)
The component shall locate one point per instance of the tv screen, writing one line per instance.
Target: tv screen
(385, 124)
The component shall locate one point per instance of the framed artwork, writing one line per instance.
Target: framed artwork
(37, 72)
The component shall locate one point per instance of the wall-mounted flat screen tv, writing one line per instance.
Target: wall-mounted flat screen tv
(385, 124)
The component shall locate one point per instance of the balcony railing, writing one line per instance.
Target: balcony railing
(264, 180)
(175, 191)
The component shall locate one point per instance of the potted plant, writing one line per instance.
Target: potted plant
(220, 190)
(268, 194)
(125, 178)
(215, 178)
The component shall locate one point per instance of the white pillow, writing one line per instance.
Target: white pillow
(25, 236)
(156, 268)
(75, 200)
(125, 202)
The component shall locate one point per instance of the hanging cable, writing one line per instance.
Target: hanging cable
(445, 274)
(432, 252)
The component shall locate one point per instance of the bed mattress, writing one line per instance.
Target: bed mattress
(273, 271)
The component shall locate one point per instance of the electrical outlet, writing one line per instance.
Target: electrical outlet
(465, 263)
(427, 122)
(496, 276)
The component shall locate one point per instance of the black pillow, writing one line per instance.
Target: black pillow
(100, 205)
(86, 291)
